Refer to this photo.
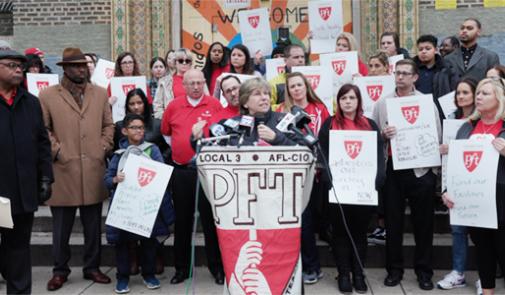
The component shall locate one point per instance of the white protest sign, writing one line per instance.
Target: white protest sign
(416, 142)
(120, 86)
(274, 67)
(255, 29)
(5, 213)
(471, 182)
(450, 129)
(242, 79)
(447, 104)
(353, 164)
(138, 198)
(343, 66)
(372, 89)
(393, 60)
(320, 80)
(325, 23)
(104, 71)
(39, 82)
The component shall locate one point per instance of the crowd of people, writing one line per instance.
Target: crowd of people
(65, 151)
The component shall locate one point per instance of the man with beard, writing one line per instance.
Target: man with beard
(470, 59)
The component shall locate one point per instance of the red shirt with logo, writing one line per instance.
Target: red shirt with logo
(482, 128)
(318, 114)
(178, 119)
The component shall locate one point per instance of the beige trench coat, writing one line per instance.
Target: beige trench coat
(80, 138)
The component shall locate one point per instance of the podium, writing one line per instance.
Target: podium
(257, 195)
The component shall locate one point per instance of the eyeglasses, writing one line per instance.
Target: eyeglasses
(13, 65)
(128, 62)
(184, 61)
(403, 74)
(136, 128)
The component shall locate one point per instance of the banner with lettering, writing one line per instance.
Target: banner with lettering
(104, 71)
(393, 60)
(471, 182)
(353, 164)
(120, 86)
(274, 67)
(372, 89)
(320, 80)
(416, 142)
(257, 195)
(449, 130)
(137, 199)
(255, 27)
(325, 24)
(39, 82)
(343, 66)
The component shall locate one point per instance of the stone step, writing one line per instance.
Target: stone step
(41, 245)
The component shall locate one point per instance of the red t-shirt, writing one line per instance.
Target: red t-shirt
(216, 72)
(362, 68)
(482, 128)
(177, 86)
(178, 119)
(317, 112)
(10, 100)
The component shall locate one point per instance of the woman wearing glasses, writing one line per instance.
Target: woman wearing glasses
(170, 86)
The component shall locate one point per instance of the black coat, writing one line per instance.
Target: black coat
(25, 151)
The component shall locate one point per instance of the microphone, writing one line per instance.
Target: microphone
(231, 125)
(259, 119)
(217, 130)
(300, 121)
(245, 126)
(286, 123)
(219, 133)
(302, 118)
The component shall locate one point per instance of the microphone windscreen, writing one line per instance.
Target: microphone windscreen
(217, 130)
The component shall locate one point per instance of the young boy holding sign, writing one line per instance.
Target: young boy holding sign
(134, 143)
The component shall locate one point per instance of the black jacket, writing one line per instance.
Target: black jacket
(324, 140)
(442, 81)
(25, 151)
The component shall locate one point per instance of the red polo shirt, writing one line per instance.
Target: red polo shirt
(178, 119)
(226, 113)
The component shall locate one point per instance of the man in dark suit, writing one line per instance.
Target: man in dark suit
(470, 59)
(25, 170)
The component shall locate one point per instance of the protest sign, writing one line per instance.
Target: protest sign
(343, 66)
(104, 71)
(320, 80)
(393, 60)
(415, 144)
(372, 89)
(39, 82)
(353, 164)
(138, 198)
(325, 24)
(471, 182)
(5, 213)
(450, 129)
(447, 104)
(255, 30)
(257, 195)
(120, 86)
(274, 67)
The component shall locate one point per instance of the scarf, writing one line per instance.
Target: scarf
(76, 90)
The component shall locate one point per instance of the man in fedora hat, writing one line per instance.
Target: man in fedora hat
(78, 118)
(25, 170)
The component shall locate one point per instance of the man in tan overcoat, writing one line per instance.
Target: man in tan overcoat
(78, 118)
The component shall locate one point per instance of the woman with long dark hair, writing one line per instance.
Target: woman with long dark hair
(241, 61)
(216, 63)
(349, 116)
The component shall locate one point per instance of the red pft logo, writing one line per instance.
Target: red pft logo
(374, 91)
(353, 148)
(254, 21)
(313, 80)
(281, 69)
(410, 113)
(325, 12)
(42, 85)
(145, 176)
(471, 159)
(109, 73)
(339, 66)
(127, 88)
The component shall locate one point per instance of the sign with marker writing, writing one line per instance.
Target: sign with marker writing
(255, 29)
(325, 23)
(450, 129)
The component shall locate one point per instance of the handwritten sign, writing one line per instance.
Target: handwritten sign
(372, 89)
(319, 78)
(274, 67)
(416, 142)
(138, 198)
(343, 66)
(255, 29)
(104, 71)
(450, 129)
(5, 213)
(471, 182)
(39, 82)
(447, 104)
(393, 60)
(119, 87)
(325, 23)
(353, 164)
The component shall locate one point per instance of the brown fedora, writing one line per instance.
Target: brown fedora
(72, 55)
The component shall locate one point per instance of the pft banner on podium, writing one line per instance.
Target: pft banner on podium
(257, 196)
